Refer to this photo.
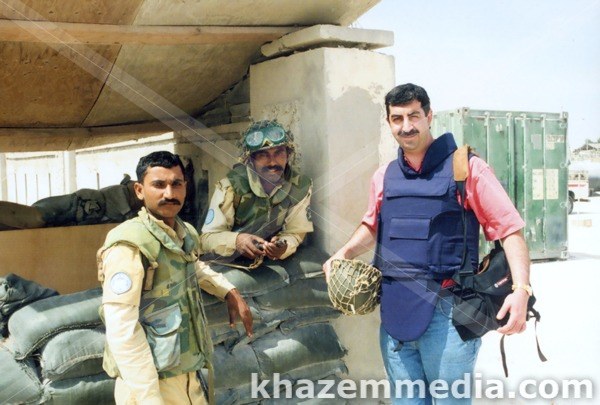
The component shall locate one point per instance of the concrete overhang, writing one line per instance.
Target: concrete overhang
(328, 35)
(79, 73)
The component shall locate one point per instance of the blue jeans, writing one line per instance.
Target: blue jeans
(439, 354)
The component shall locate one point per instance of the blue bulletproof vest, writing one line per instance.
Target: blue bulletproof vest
(420, 238)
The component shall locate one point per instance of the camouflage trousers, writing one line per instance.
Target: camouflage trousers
(179, 390)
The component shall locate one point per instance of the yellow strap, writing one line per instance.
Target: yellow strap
(460, 163)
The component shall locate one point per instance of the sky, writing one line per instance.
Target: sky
(540, 56)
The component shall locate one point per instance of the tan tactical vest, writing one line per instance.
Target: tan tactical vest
(171, 310)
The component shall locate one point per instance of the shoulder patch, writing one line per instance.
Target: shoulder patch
(210, 216)
(120, 283)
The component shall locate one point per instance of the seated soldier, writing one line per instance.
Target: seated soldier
(262, 207)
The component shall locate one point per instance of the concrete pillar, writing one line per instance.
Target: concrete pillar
(3, 178)
(70, 172)
(332, 100)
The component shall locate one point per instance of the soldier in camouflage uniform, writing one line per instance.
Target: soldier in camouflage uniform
(156, 332)
(262, 208)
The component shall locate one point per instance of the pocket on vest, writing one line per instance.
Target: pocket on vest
(408, 240)
(162, 333)
(446, 243)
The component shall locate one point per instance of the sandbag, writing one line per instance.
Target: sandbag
(268, 322)
(15, 293)
(58, 210)
(91, 206)
(224, 333)
(234, 368)
(19, 382)
(307, 262)
(279, 353)
(18, 216)
(72, 354)
(217, 314)
(306, 316)
(31, 326)
(85, 206)
(239, 395)
(97, 390)
(300, 294)
(121, 202)
(217, 318)
(317, 371)
(255, 282)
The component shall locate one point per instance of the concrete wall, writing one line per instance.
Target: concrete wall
(332, 99)
(62, 258)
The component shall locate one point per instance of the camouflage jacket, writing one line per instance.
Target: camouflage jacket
(264, 215)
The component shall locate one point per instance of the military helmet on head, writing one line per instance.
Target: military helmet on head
(265, 134)
(354, 286)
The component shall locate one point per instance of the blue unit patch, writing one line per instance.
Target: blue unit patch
(210, 216)
(120, 283)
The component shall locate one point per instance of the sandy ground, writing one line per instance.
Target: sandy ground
(569, 331)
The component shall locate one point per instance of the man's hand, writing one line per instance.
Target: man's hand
(275, 248)
(247, 245)
(516, 305)
(237, 307)
(327, 264)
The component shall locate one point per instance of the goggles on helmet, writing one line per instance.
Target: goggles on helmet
(264, 137)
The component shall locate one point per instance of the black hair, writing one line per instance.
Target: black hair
(161, 158)
(404, 94)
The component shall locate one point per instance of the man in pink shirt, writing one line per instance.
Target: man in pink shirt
(414, 220)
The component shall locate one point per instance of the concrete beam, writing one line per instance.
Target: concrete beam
(65, 139)
(107, 34)
(328, 35)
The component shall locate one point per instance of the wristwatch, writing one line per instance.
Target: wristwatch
(526, 287)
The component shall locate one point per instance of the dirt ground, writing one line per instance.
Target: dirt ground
(569, 331)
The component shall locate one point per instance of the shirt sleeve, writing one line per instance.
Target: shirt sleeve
(490, 202)
(124, 335)
(217, 236)
(212, 282)
(296, 225)
(375, 197)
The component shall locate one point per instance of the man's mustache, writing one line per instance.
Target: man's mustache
(166, 201)
(273, 167)
(409, 133)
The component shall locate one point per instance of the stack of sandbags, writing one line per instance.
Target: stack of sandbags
(63, 334)
(19, 380)
(71, 368)
(292, 340)
(15, 293)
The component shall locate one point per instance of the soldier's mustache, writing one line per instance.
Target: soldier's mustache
(166, 201)
(273, 167)
(409, 133)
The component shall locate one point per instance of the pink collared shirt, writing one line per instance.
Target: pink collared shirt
(485, 196)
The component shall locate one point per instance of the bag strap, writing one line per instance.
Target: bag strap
(460, 168)
(460, 165)
(532, 313)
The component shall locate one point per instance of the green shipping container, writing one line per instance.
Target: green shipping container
(528, 152)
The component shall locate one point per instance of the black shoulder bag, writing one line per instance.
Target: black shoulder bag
(479, 295)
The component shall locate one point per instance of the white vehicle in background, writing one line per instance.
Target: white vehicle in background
(579, 187)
